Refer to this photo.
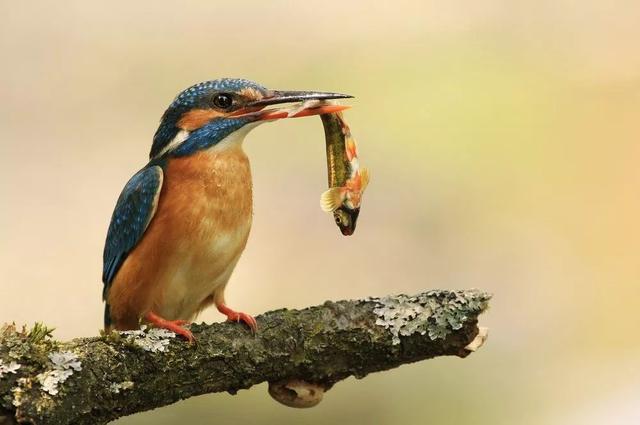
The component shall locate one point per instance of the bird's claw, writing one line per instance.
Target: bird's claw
(175, 326)
(247, 319)
(237, 316)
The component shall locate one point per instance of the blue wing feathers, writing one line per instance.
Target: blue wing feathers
(133, 212)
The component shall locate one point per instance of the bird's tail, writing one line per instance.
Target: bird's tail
(107, 317)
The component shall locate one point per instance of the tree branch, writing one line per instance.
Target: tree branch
(301, 353)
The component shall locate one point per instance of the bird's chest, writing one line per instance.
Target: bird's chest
(206, 209)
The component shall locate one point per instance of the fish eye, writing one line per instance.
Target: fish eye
(223, 101)
(341, 218)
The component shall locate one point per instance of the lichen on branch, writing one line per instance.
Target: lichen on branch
(303, 353)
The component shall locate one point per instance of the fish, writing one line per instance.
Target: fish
(347, 180)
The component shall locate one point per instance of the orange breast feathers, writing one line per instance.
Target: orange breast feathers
(193, 242)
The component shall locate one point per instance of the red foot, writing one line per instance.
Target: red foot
(171, 325)
(236, 316)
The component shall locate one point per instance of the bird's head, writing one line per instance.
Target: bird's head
(207, 113)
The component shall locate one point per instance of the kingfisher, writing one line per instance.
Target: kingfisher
(181, 222)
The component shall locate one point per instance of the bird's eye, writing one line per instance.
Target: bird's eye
(338, 220)
(223, 101)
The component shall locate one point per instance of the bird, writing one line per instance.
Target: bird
(181, 222)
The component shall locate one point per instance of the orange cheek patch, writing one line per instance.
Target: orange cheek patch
(196, 118)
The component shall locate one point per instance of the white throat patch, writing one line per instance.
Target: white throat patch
(179, 139)
(235, 139)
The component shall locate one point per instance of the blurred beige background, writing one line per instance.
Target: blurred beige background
(503, 139)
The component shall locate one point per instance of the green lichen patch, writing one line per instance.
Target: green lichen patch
(117, 387)
(18, 391)
(149, 339)
(25, 353)
(64, 364)
(8, 368)
(39, 332)
(436, 313)
(31, 345)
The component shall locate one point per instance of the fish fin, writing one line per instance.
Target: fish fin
(331, 199)
(364, 178)
(351, 149)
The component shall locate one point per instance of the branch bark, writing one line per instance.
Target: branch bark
(301, 353)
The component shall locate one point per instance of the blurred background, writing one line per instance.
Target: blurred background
(503, 139)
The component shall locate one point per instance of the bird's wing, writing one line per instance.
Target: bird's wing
(133, 213)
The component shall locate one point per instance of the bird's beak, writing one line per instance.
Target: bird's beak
(310, 103)
(276, 97)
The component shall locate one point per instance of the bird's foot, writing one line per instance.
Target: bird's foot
(236, 316)
(175, 326)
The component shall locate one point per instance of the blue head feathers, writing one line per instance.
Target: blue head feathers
(215, 126)
(196, 95)
(204, 114)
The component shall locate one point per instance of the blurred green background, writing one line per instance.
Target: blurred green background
(503, 138)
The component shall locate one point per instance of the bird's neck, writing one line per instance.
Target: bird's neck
(215, 136)
(233, 140)
(166, 133)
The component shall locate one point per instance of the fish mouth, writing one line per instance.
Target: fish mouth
(295, 104)
(349, 228)
(347, 231)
